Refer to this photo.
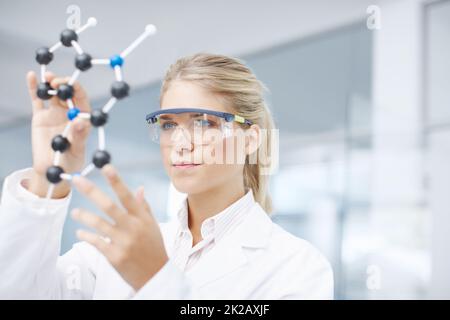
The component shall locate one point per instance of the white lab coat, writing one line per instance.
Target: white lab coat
(257, 260)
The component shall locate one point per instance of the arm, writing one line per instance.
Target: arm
(30, 239)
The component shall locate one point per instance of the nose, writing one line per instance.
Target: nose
(182, 140)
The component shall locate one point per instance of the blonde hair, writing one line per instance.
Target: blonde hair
(230, 79)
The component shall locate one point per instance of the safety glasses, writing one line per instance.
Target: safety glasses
(195, 125)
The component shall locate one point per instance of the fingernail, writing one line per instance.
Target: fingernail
(140, 193)
(80, 126)
(79, 233)
(109, 171)
(79, 181)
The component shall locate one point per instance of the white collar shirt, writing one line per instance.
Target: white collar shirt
(213, 229)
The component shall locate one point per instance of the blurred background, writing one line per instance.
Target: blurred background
(359, 90)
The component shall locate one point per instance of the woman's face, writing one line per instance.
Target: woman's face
(189, 165)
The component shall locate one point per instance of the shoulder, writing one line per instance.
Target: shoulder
(299, 257)
(284, 241)
(296, 252)
(303, 271)
(299, 270)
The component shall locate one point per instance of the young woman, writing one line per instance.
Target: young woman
(222, 244)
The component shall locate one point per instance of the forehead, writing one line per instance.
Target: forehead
(186, 94)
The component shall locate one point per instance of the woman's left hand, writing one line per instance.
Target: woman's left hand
(132, 242)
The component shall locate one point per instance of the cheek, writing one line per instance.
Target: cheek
(234, 151)
(165, 155)
(228, 160)
(229, 151)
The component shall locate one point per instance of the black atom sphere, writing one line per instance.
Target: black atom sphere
(53, 174)
(120, 89)
(44, 56)
(67, 36)
(101, 157)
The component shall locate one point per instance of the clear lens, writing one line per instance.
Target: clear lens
(197, 128)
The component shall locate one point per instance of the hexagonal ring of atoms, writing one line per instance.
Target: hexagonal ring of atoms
(98, 118)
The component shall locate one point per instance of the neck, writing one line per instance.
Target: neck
(204, 205)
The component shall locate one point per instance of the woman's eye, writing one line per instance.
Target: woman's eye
(204, 123)
(168, 125)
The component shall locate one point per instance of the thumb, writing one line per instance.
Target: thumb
(80, 132)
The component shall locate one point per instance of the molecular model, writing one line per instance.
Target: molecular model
(98, 118)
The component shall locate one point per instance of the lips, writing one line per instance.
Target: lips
(185, 165)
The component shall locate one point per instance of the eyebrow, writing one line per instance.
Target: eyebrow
(169, 116)
(197, 115)
(165, 117)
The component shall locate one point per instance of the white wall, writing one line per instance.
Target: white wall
(438, 138)
(397, 185)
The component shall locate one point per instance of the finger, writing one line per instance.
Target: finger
(57, 81)
(124, 194)
(140, 194)
(80, 97)
(140, 198)
(79, 132)
(97, 241)
(95, 222)
(98, 197)
(49, 76)
(80, 127)
(32, 84)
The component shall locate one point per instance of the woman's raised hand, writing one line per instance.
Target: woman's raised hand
(47, 122)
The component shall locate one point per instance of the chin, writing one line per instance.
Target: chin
(188, 185)
(186, 182)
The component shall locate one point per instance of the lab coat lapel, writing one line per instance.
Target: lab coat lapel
(225, 257)
(229, 253)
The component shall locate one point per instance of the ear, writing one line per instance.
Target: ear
(252, 139)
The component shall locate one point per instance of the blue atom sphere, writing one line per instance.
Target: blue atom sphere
(116, 60)
(73, 113)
